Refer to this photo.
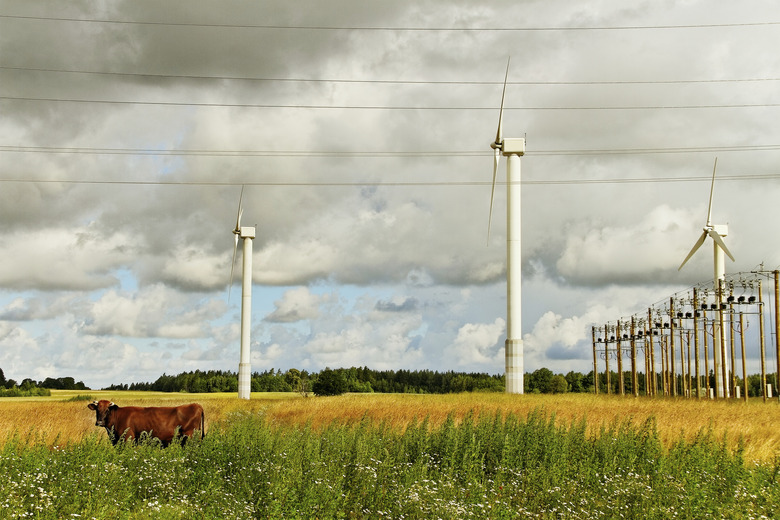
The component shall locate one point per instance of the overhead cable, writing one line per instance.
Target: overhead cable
(391, 28)
(383, 81)
(372, 107)
(374, 153)
(450, 183)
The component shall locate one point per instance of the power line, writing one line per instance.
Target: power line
(372, 154)
(234, 153)
(383, 81)
(391, 29)
(371, 107)
(637, 180)
(648, 151)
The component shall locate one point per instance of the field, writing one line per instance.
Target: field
(398, 456)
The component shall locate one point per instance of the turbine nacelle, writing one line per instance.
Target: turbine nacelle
(722, 229)
(245, 232)
(513, 146)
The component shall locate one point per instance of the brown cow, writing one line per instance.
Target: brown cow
(163, 422)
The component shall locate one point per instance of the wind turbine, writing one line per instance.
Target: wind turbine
(247, 234)
(512, 149)
(716, 233)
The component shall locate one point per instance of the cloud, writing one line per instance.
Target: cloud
(476, 343)
(559, 338)
(62, 258)
(16, 345)
(297, 304)
(403, 305)
(47, 307)
(193, 268)
(155, 311)
(381, 346)
(645, 252)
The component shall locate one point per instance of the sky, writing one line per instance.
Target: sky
(360, 132)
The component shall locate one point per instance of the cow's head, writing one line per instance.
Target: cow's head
(103, 411)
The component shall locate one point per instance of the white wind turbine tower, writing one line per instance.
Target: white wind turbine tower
(247, 234)
(512, 149)
(716, 233)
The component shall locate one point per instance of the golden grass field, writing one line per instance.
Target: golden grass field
(54, 419)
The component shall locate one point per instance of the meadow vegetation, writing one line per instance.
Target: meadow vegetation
(397, 456)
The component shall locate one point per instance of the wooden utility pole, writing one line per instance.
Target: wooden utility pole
(723, 359)
(777, 328)
(742, 345)
(648, 346)
(654, 384)
(673, 375)
(620, 359)
(682, 358)
(663, 347)
(706, 358)
(696, 341)
(606, 358)
(595, 364)
(733, 378)
(688, 373)
(761, 339)
(634, 378)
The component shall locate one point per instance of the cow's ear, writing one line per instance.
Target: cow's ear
(112, 406)
(92, 406)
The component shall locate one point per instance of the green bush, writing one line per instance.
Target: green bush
(81, 397)
(330, 382)
(31, 391)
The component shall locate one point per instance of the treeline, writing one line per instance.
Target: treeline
(365, 380)
(200, 381)
(362, 380)
(29, 387)
(354, 379)
(9, 388)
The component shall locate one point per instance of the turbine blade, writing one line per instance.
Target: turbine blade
(695, 248)
(712, 190)
(499, 135)
(232, 265)
(719, 240)
(240, 210)
(497, 158)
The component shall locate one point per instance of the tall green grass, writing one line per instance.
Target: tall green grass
(485, 466)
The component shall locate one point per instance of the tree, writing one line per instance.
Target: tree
(298, 381)
(539, 381)
(576, 381)
(330, 382)
(2, 378)
(558, 384)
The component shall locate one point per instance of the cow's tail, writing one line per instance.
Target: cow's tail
(202, 424)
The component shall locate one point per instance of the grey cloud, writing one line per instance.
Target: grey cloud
(408, 305)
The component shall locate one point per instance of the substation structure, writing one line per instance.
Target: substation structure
(696, 343)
